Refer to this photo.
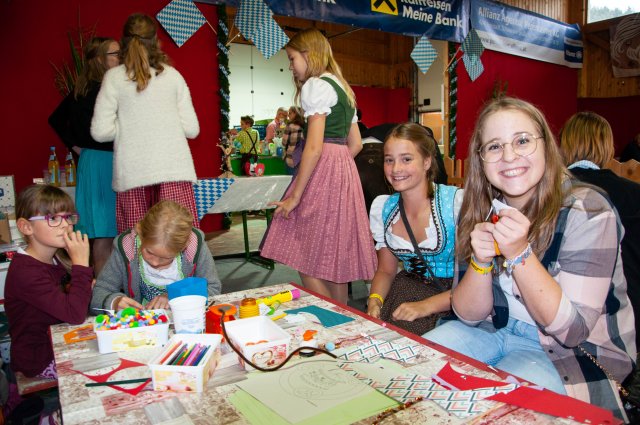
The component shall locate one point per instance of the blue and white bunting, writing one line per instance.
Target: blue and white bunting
(255, 21)
(472, 47)
(269, 38)
(181, 19)
(424, 54)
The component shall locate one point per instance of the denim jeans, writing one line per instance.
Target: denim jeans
(514, 349)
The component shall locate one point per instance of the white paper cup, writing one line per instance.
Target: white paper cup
(188, 313)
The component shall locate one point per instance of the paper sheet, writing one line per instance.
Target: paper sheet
(345, 413)
(306, 389)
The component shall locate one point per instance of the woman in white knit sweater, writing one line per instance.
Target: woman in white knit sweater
(144, 105)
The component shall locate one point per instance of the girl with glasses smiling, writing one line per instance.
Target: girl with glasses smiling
(40, 289)
(539, 289)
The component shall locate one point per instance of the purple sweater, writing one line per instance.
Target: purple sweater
(34, 300)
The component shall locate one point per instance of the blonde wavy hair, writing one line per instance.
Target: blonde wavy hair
(168, 224)
(587, 135)
(319, 57)
(543, 207)
(141, 50)
(95, 56)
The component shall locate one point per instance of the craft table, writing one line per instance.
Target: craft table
(223, 195)
(108, 406)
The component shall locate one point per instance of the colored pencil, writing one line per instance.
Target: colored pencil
(184, 356)
(194, 352)
(125, 381)
(177, 355)
(173, 348)
(201, 355)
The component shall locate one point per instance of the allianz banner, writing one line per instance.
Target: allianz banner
(436, 19)
(522, 33)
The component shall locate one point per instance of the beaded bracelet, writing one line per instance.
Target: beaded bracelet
(478, 268)
(377, 297)
(518, 259)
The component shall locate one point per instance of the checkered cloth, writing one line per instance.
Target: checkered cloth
(181, 19)
(424, 54)
(255, 21)
(208, 191)
(473, 48)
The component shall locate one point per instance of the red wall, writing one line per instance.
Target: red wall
(621, 112)
(553, 88)
(380, 105)
(35, 35)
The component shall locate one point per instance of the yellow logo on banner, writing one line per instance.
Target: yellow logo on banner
(390, 7)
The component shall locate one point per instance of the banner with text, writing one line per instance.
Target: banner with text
(436, 19)
(518, 32)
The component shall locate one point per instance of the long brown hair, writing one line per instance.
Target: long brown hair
(298, 117)
(424, 143)
(168, 224)
(140, 49)
(543, 207)
(587, 135)
(95, 56)
(319, 57)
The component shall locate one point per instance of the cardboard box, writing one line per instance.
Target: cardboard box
(260, 340)
(7, 192)
(113, 340)
(186, 378)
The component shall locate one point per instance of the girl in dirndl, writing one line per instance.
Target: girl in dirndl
(320, 227)
(420, 210)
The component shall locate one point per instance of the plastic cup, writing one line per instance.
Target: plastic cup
(188, 313)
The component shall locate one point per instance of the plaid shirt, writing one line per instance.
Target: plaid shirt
(292, 135)
(594, 311)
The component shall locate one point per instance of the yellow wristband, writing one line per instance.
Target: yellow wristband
(477, 268)
(377, 297)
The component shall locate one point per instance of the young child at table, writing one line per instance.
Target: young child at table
(161, 249)
(144, 106)
(417, 296)
(48, 282)
(320, 228)
(544, 295)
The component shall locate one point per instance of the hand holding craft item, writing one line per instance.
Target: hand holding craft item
(496, 207)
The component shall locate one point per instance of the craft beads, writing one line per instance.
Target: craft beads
(129, 318)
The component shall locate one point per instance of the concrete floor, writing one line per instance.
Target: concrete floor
(237, 274)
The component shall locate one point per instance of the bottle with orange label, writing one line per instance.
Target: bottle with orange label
(70, 169)
(54, 168)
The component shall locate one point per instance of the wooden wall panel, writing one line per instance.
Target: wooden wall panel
(554, 9)
(596, 79)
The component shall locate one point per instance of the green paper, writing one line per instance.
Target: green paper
(346, 413)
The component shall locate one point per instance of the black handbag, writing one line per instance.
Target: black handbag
(412, 287)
